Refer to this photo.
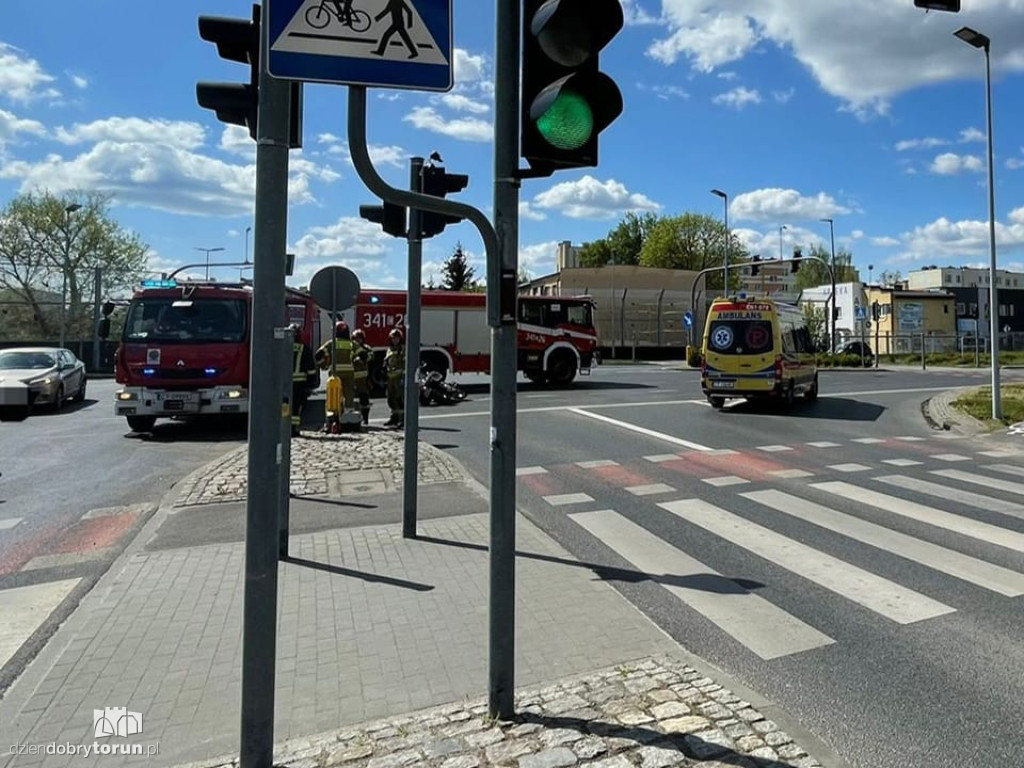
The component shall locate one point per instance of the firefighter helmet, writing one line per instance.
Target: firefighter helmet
(358, 335)
(341, 326)
(395, 334)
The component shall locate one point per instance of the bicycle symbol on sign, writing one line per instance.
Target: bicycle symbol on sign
(319, 16)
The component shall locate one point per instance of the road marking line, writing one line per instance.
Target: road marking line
(789, 474)
(522, 471)
(911, 439)
(948, 561)
(824, 444)
(1007, 469)
(597, 463)
(721, 482)
(902, 462)
(954, 494)
(562, 499)
(650, 490)
(773, 448)
(867, 440)
(722, 452)
(10, 522)
(1000, 454)
(65, 559)
(24, 609)
(965, 526)
(641, 430)
(884, 597)
(661, 458)
(849, 467)
(988, 482)
(765, 629)
(951, 457)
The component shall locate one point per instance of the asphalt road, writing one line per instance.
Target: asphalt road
(859, 568)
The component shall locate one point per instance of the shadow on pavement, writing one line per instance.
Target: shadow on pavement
(69, 407)
(691, 745)
(206, 429)
(707, 582)
(371, 577)
(580, 385)
(829, 408)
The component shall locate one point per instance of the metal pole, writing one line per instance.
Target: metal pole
(501, 667)
(725, 279)
(97, 289)
(285, 475)
(613, 305)
(412, 358)
(259, 635)
(993, 311)
(832, 237)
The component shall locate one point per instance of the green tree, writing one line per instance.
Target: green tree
(456, 274)
(814, 273)
(692, 241)
(596, 253)
(47, 242)
(816, 324)
(622, 244)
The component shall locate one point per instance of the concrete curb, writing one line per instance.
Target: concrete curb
(940, 414)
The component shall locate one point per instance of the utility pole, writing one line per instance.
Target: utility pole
(832, 236)
(412, 357)
(259, 636)
(97, 289)
(64, 270)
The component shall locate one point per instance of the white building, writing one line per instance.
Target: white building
(567, 257)
(961, 277)
(850, 298)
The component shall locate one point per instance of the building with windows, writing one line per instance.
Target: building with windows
(970, 289)
(773, 280)
(908, 318)
(851, 302)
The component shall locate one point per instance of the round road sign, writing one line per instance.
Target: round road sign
(335, 288)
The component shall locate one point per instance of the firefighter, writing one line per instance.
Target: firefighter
(361, 357)
(394, 363)
(339, 362)
(304, 378)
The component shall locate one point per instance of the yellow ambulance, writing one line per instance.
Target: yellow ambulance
(757, 348)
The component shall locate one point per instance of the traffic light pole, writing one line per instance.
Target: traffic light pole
(259, 636)
(710, 270)
(501, 316)
(412, 358)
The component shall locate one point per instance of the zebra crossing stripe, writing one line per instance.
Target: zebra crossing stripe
(976, 500)
(948, 561)
(763, 628)
(884, 597)
(965, 526)
(1007, 469)
(988, 482)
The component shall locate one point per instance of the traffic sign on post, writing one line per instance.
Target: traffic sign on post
(688, 319)
(382, 43)
(335, 289)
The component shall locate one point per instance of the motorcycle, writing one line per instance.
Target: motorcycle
(435, 390)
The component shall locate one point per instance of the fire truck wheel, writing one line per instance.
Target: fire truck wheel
(141, 423)
(562, 369)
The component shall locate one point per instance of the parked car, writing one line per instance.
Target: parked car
(856, 348)
(53, 375)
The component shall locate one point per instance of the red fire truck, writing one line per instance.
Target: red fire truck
(557, 337)
(185, 349)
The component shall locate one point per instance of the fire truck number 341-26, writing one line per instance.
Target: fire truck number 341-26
(383, 320)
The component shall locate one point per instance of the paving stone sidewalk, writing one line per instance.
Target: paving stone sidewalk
(940, 413)
(656, 712)
(317, 460)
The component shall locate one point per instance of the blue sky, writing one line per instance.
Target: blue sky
(799, 110)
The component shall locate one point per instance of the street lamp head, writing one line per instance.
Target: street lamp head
(973, 37)
(72, 208)
(720, 193)
(827, 220)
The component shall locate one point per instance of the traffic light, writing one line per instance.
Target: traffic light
(876, 311)
(389, 215)
(238, 103)
(439, 183)
(566, 100)
(755, 266)
(938, 5)
(797, 255)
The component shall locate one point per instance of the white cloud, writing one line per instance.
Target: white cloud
(636, 15)
(175, 133)
(1013, 163)
(379, 154)
(588, 198)
(539, 258)
(461, 103)
(80, 82)
(971, 134)
(948, 164)
(775, 204)
(21, 78)
(233, 233)
(527, 211)
(327, 138)
(857, 234)
(784, 97)
(1017, 215)
(715, 40)
(925, 143)
(944, 239)
(235, 140)
(664, 92)
(885, 242)
(738, 97)
(863, 59)
(462, 128)
(11, 125)
(468, 68)
(727, 75)
(360, 245)
(767, 243)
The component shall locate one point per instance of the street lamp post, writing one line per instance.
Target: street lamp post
(978, 40)
(832, 237)
(781, 229)
(208, 251)
(64, 270)
(725, 278)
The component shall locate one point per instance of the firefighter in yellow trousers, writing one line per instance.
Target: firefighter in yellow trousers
(339, 362)
(304, 379)
(361, 357)
(394, 364)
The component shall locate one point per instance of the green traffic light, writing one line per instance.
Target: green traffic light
(568, 123)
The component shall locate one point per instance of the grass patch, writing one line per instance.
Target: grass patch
(978, 404)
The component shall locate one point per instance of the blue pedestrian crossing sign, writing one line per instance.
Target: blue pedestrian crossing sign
(377, 43)
(861, 313)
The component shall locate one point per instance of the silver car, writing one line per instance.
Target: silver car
(53, 375)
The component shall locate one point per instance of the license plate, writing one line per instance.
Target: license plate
(179, 397)
(723, 384)
(173, 405)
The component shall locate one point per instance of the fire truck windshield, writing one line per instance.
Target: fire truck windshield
(193, 320)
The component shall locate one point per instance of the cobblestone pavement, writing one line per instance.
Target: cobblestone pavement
(940, 413)
(653, 713)
(315, 460)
